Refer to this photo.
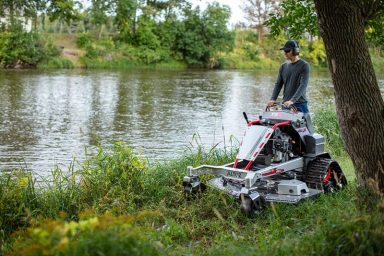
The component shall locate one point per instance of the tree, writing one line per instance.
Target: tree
(258, 11)
(63, 10)
(20, 8)
(125, 19)
(202, 35)
(99, 13)
(359, 104)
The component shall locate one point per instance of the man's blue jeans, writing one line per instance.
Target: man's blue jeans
(301, 107)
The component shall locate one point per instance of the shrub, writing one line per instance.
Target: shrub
(83, 40)
(92, 52)
(251, 50)
(20, 46)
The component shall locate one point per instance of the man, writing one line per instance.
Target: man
(294, 75)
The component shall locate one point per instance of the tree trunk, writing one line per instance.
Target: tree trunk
(360, 106)
(260, 30)
(100, 31)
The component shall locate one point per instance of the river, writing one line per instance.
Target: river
(49, 117)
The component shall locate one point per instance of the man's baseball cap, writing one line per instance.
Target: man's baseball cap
(289, 45)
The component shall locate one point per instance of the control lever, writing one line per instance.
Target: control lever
(246, 117)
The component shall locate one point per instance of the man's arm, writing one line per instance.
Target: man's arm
(304, 77)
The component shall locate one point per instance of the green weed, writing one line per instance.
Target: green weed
(325, 123)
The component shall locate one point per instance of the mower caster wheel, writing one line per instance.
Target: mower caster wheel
(192, 185)
(252, 205)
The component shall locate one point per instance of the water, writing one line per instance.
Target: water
(49, 118)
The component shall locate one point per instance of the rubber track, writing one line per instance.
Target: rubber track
(316, 172)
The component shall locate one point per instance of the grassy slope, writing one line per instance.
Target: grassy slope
(209, 224)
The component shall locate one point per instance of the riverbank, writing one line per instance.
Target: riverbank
(87, 50)
(248, 53)
(117, 203)
(121, 205)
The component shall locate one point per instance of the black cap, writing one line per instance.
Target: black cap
(289, 45)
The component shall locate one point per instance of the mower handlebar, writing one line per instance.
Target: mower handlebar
(279, 105)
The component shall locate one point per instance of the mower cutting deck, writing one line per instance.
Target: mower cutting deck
(280, 159)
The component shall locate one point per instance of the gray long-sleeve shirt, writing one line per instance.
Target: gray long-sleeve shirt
(294, 77)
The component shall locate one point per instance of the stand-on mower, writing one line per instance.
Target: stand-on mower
(280, 159)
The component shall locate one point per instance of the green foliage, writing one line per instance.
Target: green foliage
(25, 49)
(21, 46)
(145, 35)
(92, 52)
(83, 40)
(251, 50)
(204, 35)
(114, 179)
(99, 11)
(325, 123)
(56, 62)
(97, 235)
(314, 52)
(63, 10)
(375, 30)
(150, 56)
(297, 17)
(17, 193)
(125, 18)
(250, 54)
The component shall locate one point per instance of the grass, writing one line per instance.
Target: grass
(325, 123)
(56, 62)
(129, 64)
(119, 204)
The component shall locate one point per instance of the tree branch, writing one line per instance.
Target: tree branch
(370, 8)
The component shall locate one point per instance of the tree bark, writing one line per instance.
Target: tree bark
(360, 106)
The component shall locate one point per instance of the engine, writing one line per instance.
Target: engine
(281, 146)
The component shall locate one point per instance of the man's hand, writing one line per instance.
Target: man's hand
(270, 103)
(288, 103)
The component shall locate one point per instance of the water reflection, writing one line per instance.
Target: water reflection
(50, 117)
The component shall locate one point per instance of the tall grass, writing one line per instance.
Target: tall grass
(130, 64)
(325, 123)
(56, 62)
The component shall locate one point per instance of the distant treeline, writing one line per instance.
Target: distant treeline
(131, 33)
(148, 32)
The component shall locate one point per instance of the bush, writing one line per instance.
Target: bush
(92, 52)
(51, 50)
(314, 52)
(20, 47)
(83, 40)
(251, 51)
